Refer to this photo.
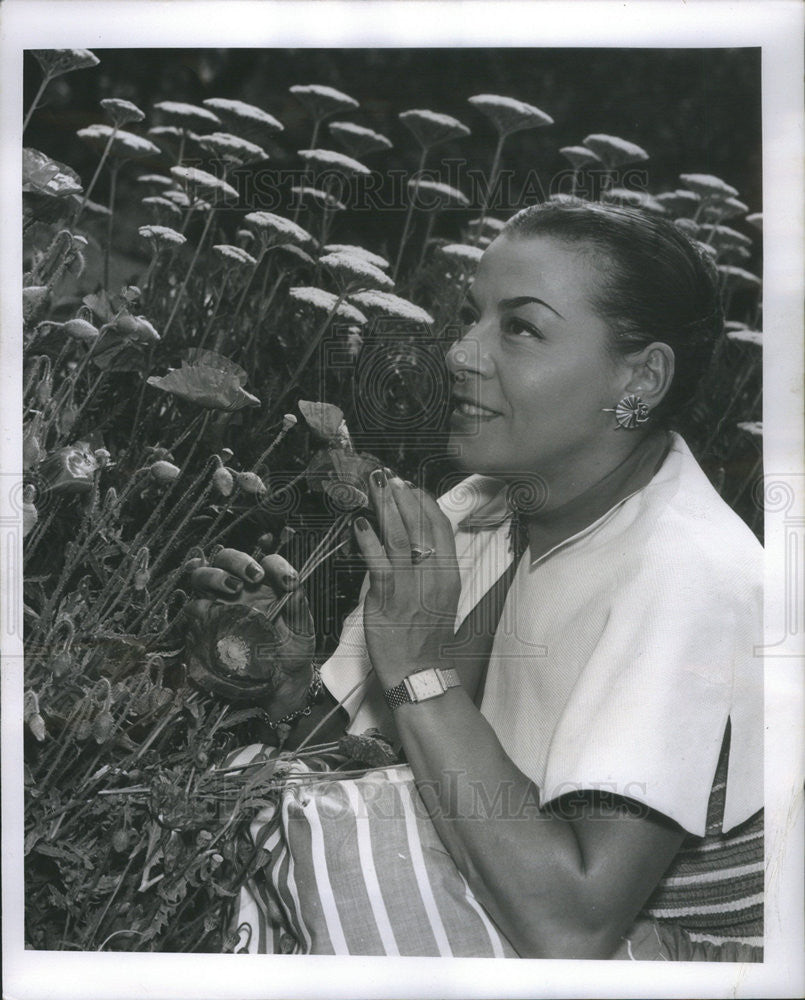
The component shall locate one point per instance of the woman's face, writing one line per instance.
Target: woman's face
(532, 370)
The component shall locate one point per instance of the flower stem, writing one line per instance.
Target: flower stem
(181, 291)
(409, 212)
(91, 185)
(45, 81)
(110, 224)
(493, 176)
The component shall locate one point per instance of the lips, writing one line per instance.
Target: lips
(470, 409)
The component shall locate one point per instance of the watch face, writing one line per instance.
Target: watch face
(424, 684)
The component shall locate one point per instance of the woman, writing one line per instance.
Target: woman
(618, 692)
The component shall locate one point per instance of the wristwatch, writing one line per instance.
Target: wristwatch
(421, 686)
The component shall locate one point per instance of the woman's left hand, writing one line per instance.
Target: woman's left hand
(414, 584)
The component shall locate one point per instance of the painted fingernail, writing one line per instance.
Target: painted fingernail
(361, 524)
(254, 572)
(232, 584)
(379, 478)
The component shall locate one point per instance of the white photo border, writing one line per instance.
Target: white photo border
(774, 25)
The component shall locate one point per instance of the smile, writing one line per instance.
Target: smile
(464, 408)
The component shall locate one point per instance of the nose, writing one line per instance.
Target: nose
(470, 355)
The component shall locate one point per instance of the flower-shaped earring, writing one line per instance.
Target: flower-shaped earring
(630, 412)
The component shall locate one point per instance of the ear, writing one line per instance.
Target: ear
(652, 371)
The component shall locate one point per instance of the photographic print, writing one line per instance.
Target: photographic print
(396, 472)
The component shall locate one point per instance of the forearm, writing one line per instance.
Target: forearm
(525, 865)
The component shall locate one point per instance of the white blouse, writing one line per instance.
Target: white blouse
(620, 653)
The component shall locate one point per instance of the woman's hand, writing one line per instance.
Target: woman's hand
(237, 643)
(414, 583)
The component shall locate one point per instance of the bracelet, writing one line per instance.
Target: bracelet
(313, 692)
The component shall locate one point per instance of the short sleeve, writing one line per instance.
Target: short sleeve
(647, 715)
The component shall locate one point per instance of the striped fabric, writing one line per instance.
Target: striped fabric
(356, 868)
(714, 888)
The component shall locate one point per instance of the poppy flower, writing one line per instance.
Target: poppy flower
(70, 469)
(208, 379)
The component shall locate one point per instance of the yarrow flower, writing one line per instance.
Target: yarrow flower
(246, 118)
(508, 114)
(746, 336)
(430, 127)
(121, 112)
(54, 62)
(329, 159)
(372, 258)
(462, 253)
(233, 148)
(580, 156)
(387, 304)
(202, 182)
(187, 115)
(322, 197)
(634, 199)
(729, 208)
(124, 144)
(353, 268)
(277, 225)
(357, 140)
(431, 195)
(162, 236)
(614, 151)
(680, 202)
(155, 180)
(751, 427)
(208, 379)
(162, 205)
(739, 276)
(322, 101)
(708, 186)
(726, 237)
(234, 254)
(323, 301)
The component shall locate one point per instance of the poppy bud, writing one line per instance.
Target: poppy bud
(289, 421)
(102, 727)
(33, 301)
(266, 541)
(223, 481)
(251, 483)
(226, 454)
(102, 457)
(30, 515)
(44, 390)
(194, 564)
(30, 705)
(37, 726)
(164, 472)
(120, 840)
(62, 663)
(80, 329)
(141, 579)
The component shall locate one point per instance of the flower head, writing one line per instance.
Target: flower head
(54, 62)
(155, 180)
(430, 127)
(357, 140)
(70, 469)
(162, 237)
(121, 112)
(329, 159)
(729, 208)
(234, 255)
(322, 101)
(634, 199)
(208, 379)
(680, 202)
(164, 207)
(245, 119)
(433, 195)
(508, 114)
(756, 220)
(726, 238)
(708, 186)
(466, 256)
(746, 336)
(232, 148)
(321, 197)
(354, 269)
(387, 304)
(187, 115)
(125, 145)
(738, 276)
(614, 151)
(277, 226)
(367, 255)
(201, 182)
(323, 301)
(580, 156)
(752, 427)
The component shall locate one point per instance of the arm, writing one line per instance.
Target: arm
(560, 884)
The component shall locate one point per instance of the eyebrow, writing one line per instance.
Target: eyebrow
(519, 300)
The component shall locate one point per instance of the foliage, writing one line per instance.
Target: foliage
(159, 425)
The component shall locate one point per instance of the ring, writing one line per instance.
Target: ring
(420, 555)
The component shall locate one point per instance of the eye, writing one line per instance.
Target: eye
(517, 327)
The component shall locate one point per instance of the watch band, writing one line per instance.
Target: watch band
(421, 686)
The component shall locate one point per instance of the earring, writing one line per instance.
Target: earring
(630, 412)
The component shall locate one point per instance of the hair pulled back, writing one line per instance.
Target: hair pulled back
(655, 284)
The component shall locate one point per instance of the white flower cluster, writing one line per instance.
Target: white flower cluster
(240, 110)
(123, 144)
(330, 158)
(352, 267)
(614, 151)
(182, 112)
(235, 254)
(462, 253)
(162, 235)
(435, 194)
(508, 114)
(708, 186)
(431, 127)
(323, 99)
(318, 298)
(228, 145)
(201, 180)
(372, 258)
(278, 225)
(387, 304)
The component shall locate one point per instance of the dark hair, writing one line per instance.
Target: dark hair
(657, 285)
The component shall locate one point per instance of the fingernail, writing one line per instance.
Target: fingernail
(409, 484)
(361, 524)
(232, 584)
(254, 572)
(379, 478)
